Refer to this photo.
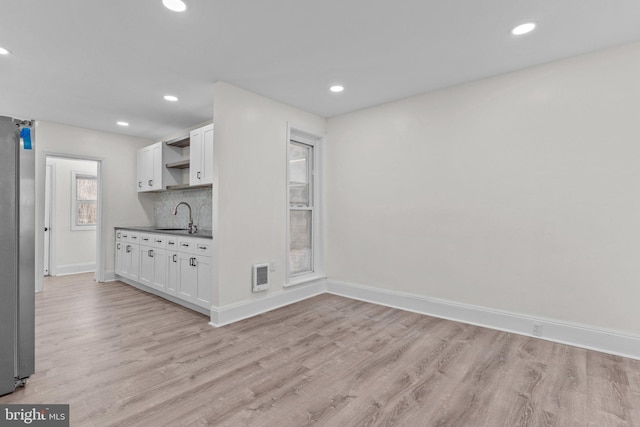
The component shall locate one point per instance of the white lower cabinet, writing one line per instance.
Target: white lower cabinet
(180, 270)
(153, 267)
(204, 280)
(195, 274)
(130, 264)
(127, 254)
(119, 254)
(173, 274)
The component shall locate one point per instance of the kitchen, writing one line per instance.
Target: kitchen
(505, 201)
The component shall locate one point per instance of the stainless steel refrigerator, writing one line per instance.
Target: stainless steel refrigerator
(17, 252)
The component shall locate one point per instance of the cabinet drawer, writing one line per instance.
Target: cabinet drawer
(146, 239)
(129, 236)
(159, 241)
(171, 242)
(195, 246)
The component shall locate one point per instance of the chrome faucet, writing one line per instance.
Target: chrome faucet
(193, 229)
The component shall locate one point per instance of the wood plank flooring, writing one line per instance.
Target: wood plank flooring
(121, 357)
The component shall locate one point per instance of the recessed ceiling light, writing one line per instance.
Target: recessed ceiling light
(170, 98)
(523, 29)
(3, 51)
(123, 124)
(336, 88)
(175, 5)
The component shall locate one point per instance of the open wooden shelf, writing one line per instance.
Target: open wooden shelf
(181, 142)
(182, 164)
(187, 186)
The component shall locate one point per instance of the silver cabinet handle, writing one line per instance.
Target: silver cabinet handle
(150, 183)
(146, 239)
(204, 248)
(174, 257)
(118, 247)
(172, 243)
(150, 253)
(128, 249)
(198, 174)
(186, 245)
(158, 241)
(139, 184)
(192, 262)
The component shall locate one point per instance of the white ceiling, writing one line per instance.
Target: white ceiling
(91, 63)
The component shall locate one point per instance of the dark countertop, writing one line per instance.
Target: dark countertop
(202, 233)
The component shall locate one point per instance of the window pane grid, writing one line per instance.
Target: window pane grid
(86, 213)
(300, 174)
(84, 201)
(86, 188)
(300, 208)
(300, 245)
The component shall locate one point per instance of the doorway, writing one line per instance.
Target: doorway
(71, 215)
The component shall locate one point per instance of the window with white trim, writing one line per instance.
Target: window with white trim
(303, 253)
(84, 197)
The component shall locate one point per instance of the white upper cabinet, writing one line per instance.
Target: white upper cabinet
(152, 174)
(201, 156)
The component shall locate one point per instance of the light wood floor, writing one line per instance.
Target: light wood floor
(121, 357)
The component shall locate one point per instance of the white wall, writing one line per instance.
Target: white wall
(74, 249)
(249, 191)
(519, 193)
(121, 204)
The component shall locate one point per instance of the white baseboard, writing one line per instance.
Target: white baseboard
(64, 270)
(227, 314)
(584, 336)
(607, 341)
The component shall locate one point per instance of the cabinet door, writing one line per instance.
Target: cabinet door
(195, 157)
(150, 167)
(187, 285)
(160, 265)
(133, 260)
(156, 167)
(146, 266)
(147, 168)
(118, 261)
(125, 262)
(140, 170)
(204, 291)
(173, 273)
(206, 159)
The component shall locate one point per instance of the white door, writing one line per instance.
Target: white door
(47, 218)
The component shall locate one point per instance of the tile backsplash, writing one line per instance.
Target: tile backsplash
(198, 198)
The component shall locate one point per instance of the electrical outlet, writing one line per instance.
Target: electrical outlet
(537, 329)
(272, 266)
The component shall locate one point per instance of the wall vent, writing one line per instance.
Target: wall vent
(260, 277)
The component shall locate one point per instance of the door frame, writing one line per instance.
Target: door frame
(99, 275)
(49, 217)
